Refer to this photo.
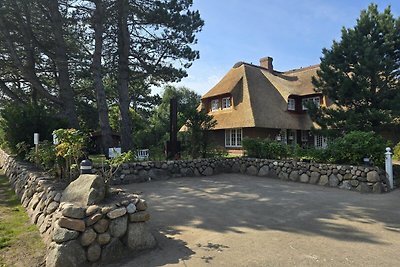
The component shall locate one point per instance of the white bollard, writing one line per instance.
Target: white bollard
(389, 166)
(36, 141)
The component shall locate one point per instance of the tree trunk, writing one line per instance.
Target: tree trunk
(61, 60)
(123, 75)
(97, 78)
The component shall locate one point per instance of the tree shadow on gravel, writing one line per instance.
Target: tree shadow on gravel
(224, 203)
(232, 203)
(168, 251)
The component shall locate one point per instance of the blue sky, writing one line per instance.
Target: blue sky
(293, 32)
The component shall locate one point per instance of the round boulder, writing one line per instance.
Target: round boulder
(67, 254)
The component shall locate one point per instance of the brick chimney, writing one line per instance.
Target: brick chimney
(266, 62)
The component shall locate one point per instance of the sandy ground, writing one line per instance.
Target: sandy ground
(236, 220)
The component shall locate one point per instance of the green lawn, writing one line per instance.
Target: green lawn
(20, 242)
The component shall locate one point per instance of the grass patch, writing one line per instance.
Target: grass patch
(17, 235)
(13, 218)
(232, 156)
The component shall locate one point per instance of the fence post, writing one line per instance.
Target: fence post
(389, 166)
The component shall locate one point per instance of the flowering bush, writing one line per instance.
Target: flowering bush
(70, 147)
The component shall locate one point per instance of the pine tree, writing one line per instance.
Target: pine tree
(154, 44)
(360, 75)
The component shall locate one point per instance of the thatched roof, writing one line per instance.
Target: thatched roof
(227, 84)
(294, 82)
(260, 97)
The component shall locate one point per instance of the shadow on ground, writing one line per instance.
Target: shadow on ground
(167, 251)
(221, 205)
(233, 203)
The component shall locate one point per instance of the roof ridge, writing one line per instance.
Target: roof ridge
(238, 64)
(301, 69)
(257, 66)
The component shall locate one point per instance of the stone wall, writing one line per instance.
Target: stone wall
(358, 178)
(79, 235)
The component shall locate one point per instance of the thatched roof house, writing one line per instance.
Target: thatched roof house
(257, 101)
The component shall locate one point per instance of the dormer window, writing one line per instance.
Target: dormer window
(291, 105)
(226, 102)
(316, 101)
(214, 105)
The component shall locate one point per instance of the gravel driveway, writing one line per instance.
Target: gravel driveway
(237, 220)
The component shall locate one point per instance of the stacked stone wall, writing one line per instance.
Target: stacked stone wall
(79, 235)
(363, 179)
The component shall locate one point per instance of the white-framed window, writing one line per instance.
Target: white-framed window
(304, 136)
(320, 141)
(316, 101)
(226, 102)
(214, 104)
(291, 104)
(233, 137)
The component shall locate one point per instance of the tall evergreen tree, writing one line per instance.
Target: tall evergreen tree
(188, 100)
(360, 75)
(156, 37)
(79, 55)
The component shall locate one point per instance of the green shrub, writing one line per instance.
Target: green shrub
(275, 150)
(44, 157)
(317, 155)
(354, 146)
(265, 148)
(71, 144)
(123, 158)
(252, 147)
(18, 123)
(70, 147)
(115, 164)
(349, 149)
(396, 152)
(22, 149)
(156, 153)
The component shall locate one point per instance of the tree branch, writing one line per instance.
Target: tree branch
(6, 90)
(28, 74)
